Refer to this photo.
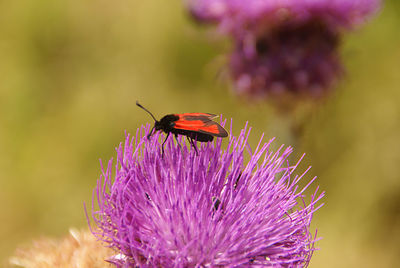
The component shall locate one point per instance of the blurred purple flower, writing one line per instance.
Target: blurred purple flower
(284, 45)
(210, 209)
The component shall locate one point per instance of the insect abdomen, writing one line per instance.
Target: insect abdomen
(193, 135)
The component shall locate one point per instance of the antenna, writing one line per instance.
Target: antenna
(138, 104)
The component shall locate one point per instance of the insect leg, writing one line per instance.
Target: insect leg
(177, 142)
(150, 133)
(164, 143)
(191, 141)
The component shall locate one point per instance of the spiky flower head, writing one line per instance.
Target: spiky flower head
(284, 46)
(205, 209)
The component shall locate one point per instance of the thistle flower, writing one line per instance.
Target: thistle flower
(209, 209)
(288, 46)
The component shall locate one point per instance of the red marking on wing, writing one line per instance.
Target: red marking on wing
(200, 123)
(190, 116)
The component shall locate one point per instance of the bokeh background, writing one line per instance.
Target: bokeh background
(71, 71)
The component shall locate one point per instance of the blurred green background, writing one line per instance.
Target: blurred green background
(71, 71)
